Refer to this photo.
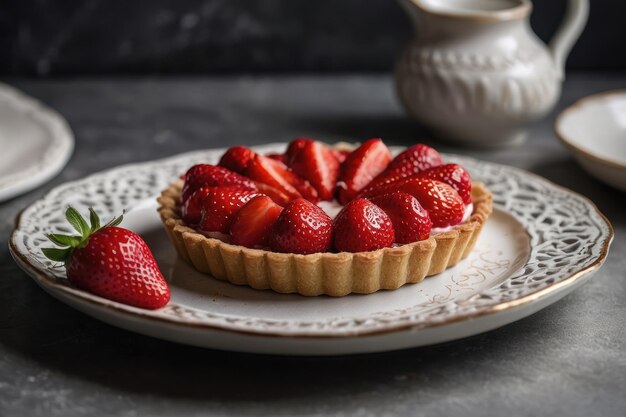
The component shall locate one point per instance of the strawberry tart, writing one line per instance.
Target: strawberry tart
(325, 220)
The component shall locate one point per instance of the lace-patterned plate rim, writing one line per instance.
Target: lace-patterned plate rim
(47, 279)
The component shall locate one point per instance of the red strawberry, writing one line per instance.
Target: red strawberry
(277, 175)
(192, 207)
(410, 220)
(445, 206)
(274, 193)
(362, 226)
(302, 228)
(278, 157)
(453, 175)
(219, 207)
(237, 159)
(110, 262)
(202, 175)
(413, 160)
(294, 147)
(360, 167)
(253, 223)
(317, 163)
(340, 155)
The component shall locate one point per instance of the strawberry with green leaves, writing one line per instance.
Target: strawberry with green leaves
(109, 261)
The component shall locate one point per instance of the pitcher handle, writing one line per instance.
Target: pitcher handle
(572, 26)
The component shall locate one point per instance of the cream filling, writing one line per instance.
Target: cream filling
(469, 208)
(332, 208)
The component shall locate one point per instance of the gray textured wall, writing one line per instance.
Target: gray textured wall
(68, 37)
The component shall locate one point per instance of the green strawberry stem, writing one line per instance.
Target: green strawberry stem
(69, 242)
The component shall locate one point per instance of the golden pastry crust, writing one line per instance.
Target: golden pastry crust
(334, 274)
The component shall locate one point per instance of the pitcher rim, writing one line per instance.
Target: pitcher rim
(519, 11)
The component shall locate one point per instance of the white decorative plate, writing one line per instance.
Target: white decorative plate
(541, 242)
(36, 143)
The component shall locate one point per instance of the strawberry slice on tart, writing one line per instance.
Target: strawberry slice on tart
(220, 206)
(445, 206)
(203, 175)
(408, 163)
(315, 162)
(252, 225)
(237, 159)
(191, 208)
(275, 194)
(392, 213)
(455, 176)
(360, 167)
(276, 174)
(294, 147)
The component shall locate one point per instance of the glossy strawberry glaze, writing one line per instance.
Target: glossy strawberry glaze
(332, 208)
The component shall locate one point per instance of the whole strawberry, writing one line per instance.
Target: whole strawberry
(302, 228)
(410, 220)
(220, 206)
(455, 176)
(362, 226)
(412, 161)
(109, 261)
(444, 205)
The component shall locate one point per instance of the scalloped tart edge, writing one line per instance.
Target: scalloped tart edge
(333, 274)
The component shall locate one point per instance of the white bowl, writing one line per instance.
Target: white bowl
(594, 129)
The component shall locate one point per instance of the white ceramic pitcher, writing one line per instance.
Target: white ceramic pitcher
(477, 74)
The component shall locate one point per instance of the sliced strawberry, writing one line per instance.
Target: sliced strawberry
(303, 186)
(202, 175)
(219, 207)
(413, 160)
(445, 206)
(278, 157)
(410, 220)
(192, 207)
(362, 226)
(317, 163)
(275, 194)
(266, 170)
(455, 176)
(302, 228)
(277, 175)
(360, 167)
(340, 155)
(254, 221)
(237, 159)
(294, 147)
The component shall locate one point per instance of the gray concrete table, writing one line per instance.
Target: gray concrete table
(569, 359)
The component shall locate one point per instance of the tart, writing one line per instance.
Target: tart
(325, 262)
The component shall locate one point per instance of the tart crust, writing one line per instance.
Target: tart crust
(334, 274)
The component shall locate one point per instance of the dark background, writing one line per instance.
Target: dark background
(100, 37)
